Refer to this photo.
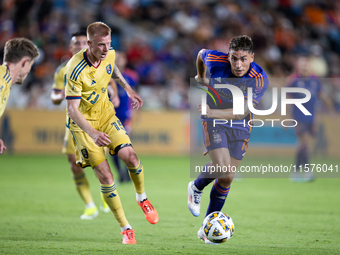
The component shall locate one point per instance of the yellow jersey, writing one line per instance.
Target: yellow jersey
(59, 77)
(89, 83)
(5, 87)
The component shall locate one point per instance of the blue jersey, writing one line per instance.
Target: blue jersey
(124, 110)
(220, 73)
(313, 85)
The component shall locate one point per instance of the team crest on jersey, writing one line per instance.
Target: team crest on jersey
(258, 89)
(85, 153)
(108, 69)
(216, 138)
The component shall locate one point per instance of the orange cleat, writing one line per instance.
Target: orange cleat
(150, 212)
(128, 236)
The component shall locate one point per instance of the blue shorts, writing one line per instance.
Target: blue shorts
(303, 127)
(235, 140)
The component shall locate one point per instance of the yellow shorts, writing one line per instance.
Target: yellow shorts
(90, 154)
(68, 147)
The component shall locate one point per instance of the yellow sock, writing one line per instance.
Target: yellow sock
(137, 176)
(112, 199)
(83, 187)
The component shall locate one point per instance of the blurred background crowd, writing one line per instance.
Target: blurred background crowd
(162, 39)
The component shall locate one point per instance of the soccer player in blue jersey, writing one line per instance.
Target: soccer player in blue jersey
(305, 129)
(19, 55)
(94, 125)
(123, 108)
(226, 144)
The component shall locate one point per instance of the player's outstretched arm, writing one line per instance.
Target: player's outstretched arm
(2, 146)
(100, 138)
(57, 96)
(117, 76)
(226, 114)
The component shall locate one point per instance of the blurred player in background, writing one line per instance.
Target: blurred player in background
(19, 55)
(94, 125)
(226, 144)
(78, 42)
(305, 129)
(122, 104)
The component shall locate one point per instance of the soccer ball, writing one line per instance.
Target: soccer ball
(218, 227)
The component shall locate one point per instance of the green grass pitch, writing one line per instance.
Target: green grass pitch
(40, 209)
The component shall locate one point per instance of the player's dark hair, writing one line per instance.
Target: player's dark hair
(98, 28)
(241, 42)
(17, 48)
(79, 33)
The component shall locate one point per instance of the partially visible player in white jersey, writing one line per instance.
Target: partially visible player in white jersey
(19, 55)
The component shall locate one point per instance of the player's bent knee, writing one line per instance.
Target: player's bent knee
(103, 173)
(129, 157)
(225, 182)
(104, 177)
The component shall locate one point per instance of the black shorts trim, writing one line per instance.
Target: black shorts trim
(121, 146)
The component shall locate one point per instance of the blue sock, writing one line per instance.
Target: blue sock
(218, 196)
(302, 157)
(203, 179)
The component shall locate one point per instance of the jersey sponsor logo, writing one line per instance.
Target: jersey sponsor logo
(242, 87)
(85, 153)
(93, 82)
(108, 69)
(217, 138)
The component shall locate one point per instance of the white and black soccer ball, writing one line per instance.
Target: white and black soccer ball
(218, 227)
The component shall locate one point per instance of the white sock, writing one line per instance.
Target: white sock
(140, 197)
(90, 205)
(125, 227)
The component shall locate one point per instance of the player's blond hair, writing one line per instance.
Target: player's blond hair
(17, 48)
(97, 29)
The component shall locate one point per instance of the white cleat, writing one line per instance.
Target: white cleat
(194, 199)
(201, 235)
(90, 213)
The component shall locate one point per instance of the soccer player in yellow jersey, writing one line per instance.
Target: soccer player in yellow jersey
(19, 55)
(78, 42)
(94, 125)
